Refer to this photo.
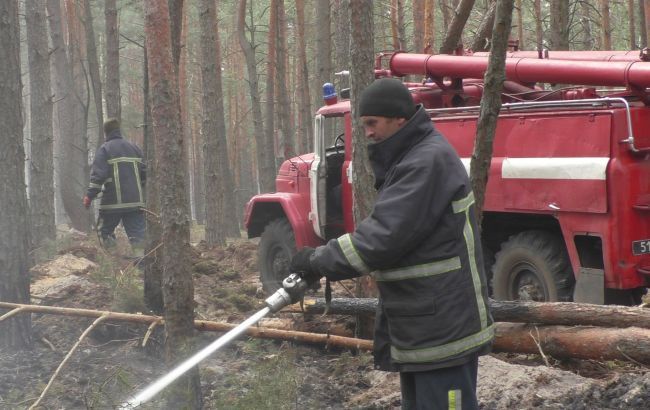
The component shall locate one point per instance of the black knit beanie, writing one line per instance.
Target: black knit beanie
(387, 97)
(111, 125)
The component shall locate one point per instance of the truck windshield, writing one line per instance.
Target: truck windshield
(334, 128)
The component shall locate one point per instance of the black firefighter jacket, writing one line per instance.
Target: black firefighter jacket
(421, 245)
(119, 169)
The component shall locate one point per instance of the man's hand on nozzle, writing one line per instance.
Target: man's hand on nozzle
(87, 201)
(301, 264)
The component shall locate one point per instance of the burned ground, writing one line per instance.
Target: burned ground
(111, 364)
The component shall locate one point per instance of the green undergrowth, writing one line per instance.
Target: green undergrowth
(50, 248)
(101, 394)
(125, 283)
(268, 383)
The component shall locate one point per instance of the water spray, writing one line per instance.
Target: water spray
(292, 290)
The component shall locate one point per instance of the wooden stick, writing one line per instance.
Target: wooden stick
(150, 329)
(11, 313)
(67, 357)
(269, 333)
(204, 325)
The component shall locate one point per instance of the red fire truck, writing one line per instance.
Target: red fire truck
(567, 207)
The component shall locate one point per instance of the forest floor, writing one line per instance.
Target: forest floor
(111, 365)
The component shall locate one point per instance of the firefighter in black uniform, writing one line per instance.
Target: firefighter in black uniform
(118, 171)
(421, 244)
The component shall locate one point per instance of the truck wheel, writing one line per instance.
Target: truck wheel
(533, 265)
(277, 246)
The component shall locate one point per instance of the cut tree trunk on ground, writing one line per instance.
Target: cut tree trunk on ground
(597, 343)
(547, 313)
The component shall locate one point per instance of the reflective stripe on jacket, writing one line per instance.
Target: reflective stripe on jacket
(421, 245)
(119, 172)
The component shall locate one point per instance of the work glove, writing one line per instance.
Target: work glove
(300, 263)
(87, 201)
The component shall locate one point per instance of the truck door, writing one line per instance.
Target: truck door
(318, 180)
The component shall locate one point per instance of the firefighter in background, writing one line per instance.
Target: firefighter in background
(421, 244)
(118, 168)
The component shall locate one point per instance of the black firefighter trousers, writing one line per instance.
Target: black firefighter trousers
(452, 388)
(132, 220)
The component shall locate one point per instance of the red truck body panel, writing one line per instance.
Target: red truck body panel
(573, 164)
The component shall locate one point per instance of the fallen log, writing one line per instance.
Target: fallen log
(203, 325)
(596, 343)
(547, 313)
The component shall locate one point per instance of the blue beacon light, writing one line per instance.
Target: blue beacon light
(329, 94)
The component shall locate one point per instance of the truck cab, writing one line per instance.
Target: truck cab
(566, 213)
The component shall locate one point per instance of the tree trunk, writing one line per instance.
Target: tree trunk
(520, 25)
(566, 313)
(444, 9)
(361, 75)
(178, 290)
(304, 112)
(198, 169)
(184, 91)
(93, 69)
(175, 20)
(484, 33)
(271, 63)
(646, 9)
(454, 32)
(596, 343)
(284, 113)
(243, 141)
(585, 21)
(153, 262)
(419, 17)
(490, 104)
(264, 148)
(41, 184)
(606, 30)
(430, 25)
(539, 32)
(112, 62)
(70, 153)
(323, 44)
(543, 313)
(631, 26)
(15, 333)
(220, 212)
(397, 24)
(559, 25)
(643, 28)
(342, 41)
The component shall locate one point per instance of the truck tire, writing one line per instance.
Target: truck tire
(277, 246)
(533, 265)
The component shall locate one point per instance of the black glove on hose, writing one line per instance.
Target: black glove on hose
(300, 263)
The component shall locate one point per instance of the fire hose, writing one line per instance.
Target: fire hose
(292, 291)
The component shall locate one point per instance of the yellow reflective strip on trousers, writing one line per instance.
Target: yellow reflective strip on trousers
(436, 353)
(454, 398)
(464, 205)
(418, 271)
(351, 254)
